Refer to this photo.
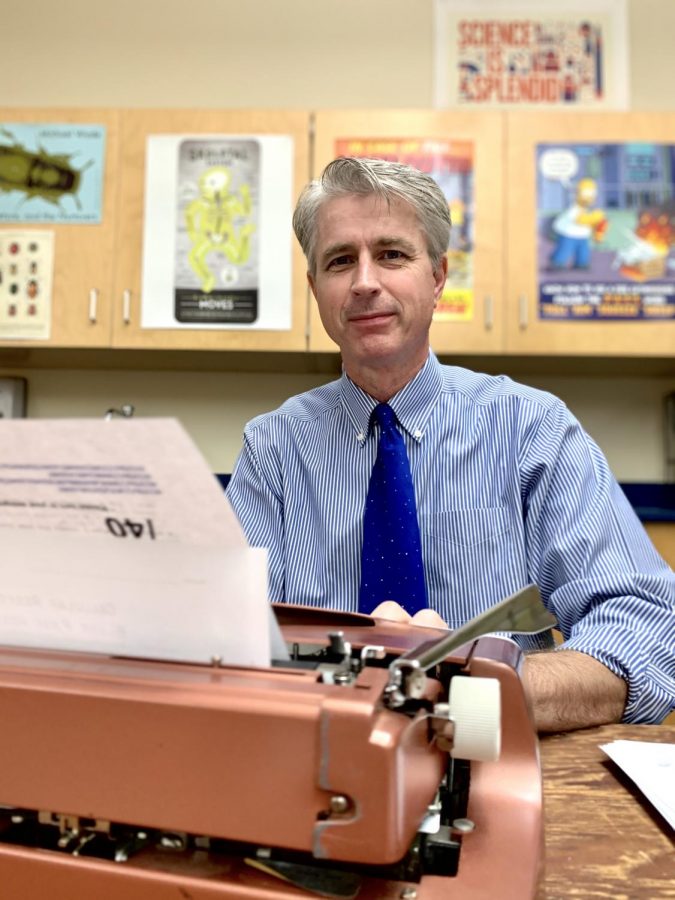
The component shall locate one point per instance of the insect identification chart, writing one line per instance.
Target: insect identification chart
(115, 537)
(26, 273)
(51, 173)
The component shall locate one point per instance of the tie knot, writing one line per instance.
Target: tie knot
(385, 415)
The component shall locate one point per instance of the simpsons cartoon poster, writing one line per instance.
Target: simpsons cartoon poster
(606, 231)
(217, 246)
(217, 231)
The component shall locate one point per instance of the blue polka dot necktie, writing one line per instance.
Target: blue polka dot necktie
(391, 560)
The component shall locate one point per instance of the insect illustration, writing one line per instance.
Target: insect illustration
(38, 174)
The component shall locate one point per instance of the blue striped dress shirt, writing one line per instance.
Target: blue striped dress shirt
(510, 491)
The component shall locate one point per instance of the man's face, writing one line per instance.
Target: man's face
(374, 282)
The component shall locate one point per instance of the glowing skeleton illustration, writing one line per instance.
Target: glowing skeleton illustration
(210, 224)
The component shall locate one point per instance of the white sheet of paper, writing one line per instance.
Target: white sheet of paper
(116, 538)
(652, 767)
(143, 478)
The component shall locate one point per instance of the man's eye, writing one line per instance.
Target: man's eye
(339, 261)
(393, 254)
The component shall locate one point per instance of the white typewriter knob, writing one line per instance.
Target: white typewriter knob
(475, 709)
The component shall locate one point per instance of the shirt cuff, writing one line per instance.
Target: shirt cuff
(650, 677)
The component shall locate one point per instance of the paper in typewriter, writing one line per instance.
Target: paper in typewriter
(116, 538)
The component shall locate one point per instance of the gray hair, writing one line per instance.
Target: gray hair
(387, 180)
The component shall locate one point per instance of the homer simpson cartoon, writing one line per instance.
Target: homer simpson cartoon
(575, 227)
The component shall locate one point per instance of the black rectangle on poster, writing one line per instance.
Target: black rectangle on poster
(217, 307)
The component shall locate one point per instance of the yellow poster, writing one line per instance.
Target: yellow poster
(450, 164)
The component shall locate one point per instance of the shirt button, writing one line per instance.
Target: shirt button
(360, 436)
(417, 434)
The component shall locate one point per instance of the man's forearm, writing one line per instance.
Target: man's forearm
(568, 690)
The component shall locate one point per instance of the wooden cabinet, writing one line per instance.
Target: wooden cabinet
(83, 252)
(137, 126)
(490, 166)
(465, 149)
(630, 182)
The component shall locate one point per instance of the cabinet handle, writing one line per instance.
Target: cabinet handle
(489, 313)
(523, 311)
(93, 305)
(126, 306)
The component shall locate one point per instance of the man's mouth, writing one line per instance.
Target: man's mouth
(373, 316)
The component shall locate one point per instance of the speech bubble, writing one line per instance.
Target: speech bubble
(559, 165)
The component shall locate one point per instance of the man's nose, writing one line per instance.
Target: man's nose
(366, 278)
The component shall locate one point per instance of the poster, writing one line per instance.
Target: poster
(51, 173)
(26, 274)
(529, 54)
(450, 164)
(217, 249)
(217, 231)
(606, 231)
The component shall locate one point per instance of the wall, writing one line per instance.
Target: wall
(621, 413)
(303, 54)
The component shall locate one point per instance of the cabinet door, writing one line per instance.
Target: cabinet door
(463, 151)
(129, 329)
(591, 233)
(58, 166)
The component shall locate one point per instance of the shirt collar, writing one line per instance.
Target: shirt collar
(413, 404)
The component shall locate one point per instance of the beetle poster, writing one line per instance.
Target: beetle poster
(51, 173)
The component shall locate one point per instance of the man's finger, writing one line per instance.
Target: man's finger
(391, 611)
(429, 618)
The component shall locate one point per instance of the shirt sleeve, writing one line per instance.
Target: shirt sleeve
(613, 595)
(259, 507)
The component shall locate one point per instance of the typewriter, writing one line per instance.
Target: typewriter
(379, 760)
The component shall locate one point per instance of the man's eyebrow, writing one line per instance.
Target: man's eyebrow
(395, 241)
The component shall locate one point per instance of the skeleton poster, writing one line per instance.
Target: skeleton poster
(217, 239)
(606, 231)
(450, 164)
(217, 231)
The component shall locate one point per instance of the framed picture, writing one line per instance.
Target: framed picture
(505, 53)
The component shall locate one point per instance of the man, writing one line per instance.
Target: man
(509, 488)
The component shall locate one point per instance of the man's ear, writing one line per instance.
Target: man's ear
(310, 282)
(440, 275)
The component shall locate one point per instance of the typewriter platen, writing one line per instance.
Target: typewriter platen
(365, 767)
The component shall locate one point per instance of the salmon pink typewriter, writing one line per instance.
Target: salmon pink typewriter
(378, 760)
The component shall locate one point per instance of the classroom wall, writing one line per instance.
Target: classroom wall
(302, 54)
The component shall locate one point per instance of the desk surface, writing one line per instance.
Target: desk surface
(603, 838)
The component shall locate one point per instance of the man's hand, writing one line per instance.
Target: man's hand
(566, 689)
(569, 690)
(395, 613)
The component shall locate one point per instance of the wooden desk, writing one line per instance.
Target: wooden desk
(603, 838)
